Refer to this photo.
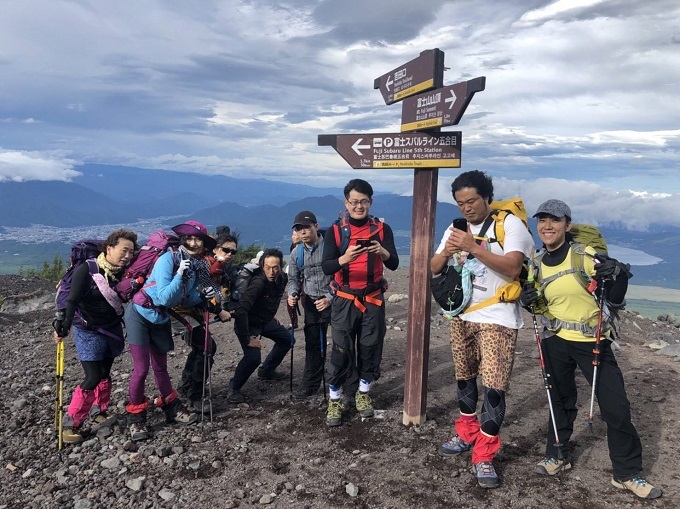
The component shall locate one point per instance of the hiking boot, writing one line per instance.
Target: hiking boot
(100, 418)
(486, 475)
(364, 404)
(454, 446)
(334, 412)
(639, 486)
(304, 393)
(270, 375)
(179, 414)
(198, 406)
(71, 436)
(235, 396)
(138, 431)
(552, 466)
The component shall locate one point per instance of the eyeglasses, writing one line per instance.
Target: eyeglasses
(355, 203)
(300, 227)
(227, 250)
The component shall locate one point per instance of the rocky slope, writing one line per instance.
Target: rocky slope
(273, 451)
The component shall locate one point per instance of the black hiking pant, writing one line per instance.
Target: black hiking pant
(561, 358)
(316, 330)
(192, 375)
(357, 342)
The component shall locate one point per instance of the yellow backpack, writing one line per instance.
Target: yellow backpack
(501, 209)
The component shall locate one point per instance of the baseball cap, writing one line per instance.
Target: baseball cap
(304, 218)
(555, 208)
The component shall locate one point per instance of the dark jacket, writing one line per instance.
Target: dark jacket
(85, 297)
(258, 304)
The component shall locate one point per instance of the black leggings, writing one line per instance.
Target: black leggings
(95, 372)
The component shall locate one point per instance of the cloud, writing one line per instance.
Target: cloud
(590, 203)
(22, 166)
(581, 91)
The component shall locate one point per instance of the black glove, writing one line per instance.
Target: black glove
(529, 294)
(606, 268)
(58, 326)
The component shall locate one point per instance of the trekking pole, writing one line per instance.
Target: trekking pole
(207, 372)
(292, 313)
(546, 383)
(59, 396)
(596, 353)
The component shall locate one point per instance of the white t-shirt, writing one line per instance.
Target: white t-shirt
(487, 281)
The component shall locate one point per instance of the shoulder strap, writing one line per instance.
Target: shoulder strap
(92, 266)
(577, 268)
(300, 255)
(485, 227)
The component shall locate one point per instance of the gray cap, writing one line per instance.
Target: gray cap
(556, 208)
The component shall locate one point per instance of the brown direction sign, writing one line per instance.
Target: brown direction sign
(420, 74)
(397, 150)
(440, 107)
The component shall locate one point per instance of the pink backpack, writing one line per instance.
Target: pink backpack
(138, 271)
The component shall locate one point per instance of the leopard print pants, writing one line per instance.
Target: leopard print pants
(483, 348)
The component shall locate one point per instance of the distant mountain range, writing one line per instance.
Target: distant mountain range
(261, 210)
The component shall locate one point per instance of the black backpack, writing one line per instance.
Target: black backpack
(238, 278)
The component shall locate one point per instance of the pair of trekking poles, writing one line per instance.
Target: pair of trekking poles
(596, 362)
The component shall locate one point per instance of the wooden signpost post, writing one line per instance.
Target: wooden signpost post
(425, 151)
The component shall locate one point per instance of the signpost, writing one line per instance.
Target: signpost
(440, 107)
(408, 150)
(418, 75)
(425, 152)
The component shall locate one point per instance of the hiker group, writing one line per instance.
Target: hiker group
(485, 268)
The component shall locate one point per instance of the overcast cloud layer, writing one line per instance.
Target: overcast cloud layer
(580, 101)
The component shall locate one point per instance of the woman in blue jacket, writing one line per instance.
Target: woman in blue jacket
(174, 281)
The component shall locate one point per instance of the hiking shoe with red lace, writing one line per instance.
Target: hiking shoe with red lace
(552, 466)
(639, 486)
(454, 447)
(486, 475)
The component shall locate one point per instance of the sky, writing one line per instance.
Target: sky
(581, 99)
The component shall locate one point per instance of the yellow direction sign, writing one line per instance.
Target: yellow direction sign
(397, 150)
(440, 107)
(420, 74)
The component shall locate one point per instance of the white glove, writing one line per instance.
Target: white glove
(208, 292)
(183, 267)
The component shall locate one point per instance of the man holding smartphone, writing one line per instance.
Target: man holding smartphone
(357, 249)
(483, 336)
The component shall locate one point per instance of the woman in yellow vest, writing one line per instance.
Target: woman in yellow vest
(572, 324)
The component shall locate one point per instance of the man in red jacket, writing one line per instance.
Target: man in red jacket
(356, 250)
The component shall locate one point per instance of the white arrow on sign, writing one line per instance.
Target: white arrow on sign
(451, 100)
(357, 147)
(389, 82)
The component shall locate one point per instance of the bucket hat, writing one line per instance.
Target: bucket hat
(197, 230)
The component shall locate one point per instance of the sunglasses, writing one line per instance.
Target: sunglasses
(227, 250)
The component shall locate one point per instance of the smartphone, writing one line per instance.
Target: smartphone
(460, 223)
(363, 242)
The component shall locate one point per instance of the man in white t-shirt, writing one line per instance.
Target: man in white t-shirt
(483, 337)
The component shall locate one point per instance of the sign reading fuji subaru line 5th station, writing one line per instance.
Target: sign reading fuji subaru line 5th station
(394, 150)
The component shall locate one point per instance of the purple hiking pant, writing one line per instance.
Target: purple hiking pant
(142, 357)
